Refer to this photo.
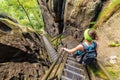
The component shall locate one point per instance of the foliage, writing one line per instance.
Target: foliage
(13, 8)
(114, 44)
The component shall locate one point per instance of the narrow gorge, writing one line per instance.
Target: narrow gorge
(23, 53)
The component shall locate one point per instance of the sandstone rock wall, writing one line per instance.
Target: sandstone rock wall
(22, 52)
(50, 26)
(79, 14)
(109, 32)
(69, 16)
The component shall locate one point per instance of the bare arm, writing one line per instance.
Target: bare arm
(79, 47)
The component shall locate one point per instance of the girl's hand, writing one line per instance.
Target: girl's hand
(62, 48)
(65, 49)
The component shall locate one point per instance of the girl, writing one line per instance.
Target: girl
(88, 44)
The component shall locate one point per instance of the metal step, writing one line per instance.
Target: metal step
(71, 58)
(74, 63)
(73, 67)
(53, 57)
(65, 78)
(50, 50)
(73, 75)
(70, 55)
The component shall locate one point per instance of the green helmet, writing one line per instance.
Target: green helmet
(86, 35)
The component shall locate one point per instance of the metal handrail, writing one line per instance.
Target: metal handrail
(51, 68)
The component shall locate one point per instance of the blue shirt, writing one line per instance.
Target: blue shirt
(89, 48)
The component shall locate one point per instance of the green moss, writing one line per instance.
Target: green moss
(47, 36)
(54, 43)
(92, 23)
(57, 41)
(109, 8)
(113, 72)
(78, 3)
(114, 44)
(100, 74)
(106, 13)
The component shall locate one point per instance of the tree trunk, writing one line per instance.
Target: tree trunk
(26, 14)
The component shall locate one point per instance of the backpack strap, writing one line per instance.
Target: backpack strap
(94, 45)
(88, 48)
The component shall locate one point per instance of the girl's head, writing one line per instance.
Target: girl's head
(90, 34)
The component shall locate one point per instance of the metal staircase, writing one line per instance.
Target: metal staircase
(64, 66)
(50, 50)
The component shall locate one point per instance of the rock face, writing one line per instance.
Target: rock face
(82, 13)
(21, 71)
(78, 15)
(50, 25)
(12, 36)
(109, 32)
(70, 16)
(21, 52)
(4, 15)
(53, 15)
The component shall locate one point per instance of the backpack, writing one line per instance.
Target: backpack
(89, 54)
